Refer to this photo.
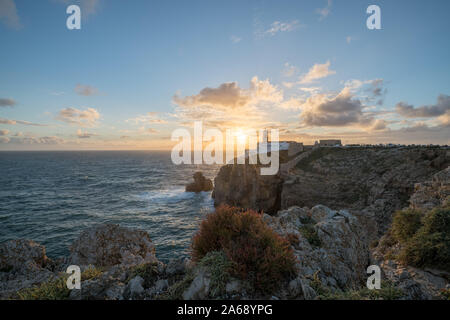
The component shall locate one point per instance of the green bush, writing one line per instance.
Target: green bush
(430, 245)
(386, 292)
(311, 235)
(147, 271)
(405, 224)
(257, 254)
(219, 267)
(55, 289)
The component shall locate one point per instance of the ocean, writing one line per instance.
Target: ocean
(51, 197)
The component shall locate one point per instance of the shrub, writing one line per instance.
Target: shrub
(430, 245)
(405, 224)
(147, 271)
(386, 292)
(257, 254)
(311, 235)
(219, 267)
(176, 290)
(55, 289)
(91, 273)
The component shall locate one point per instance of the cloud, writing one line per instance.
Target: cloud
(31, 139)
(144, 130)
(289, 70)
(8, 14)
(322, 110)
(317, 71)
(235, 39)
(150, 117)
(440, 109)
(85, 90)
(22, 122)
(279, 26)
(324, 12)
(227, 95)
(4, 132)
(84, 135)
(349, 39)
(83, 118)
(5, 102)
(229, 105)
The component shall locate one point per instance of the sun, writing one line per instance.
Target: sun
(241, 137)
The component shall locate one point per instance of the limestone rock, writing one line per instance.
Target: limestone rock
(109, 245)
(199, 288)
(342, 256)
(200, 183)
(22, 254)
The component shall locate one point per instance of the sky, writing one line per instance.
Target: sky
(138, 70)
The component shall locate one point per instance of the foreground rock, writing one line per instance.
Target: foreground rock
(200, 184)
(109, 245)
(23, 263)
(418, 284)
(330, 245)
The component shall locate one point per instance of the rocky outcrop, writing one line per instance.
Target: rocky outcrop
(417, 284)
(22, 254)
(338, 255)
(378, 181)
(23, 263)
(200, 183)
(110, 244)
(243, 186)
(430, 194)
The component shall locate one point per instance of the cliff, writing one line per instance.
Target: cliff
(373, 181)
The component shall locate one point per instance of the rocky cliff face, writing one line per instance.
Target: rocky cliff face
(243, 186)
(377, 181)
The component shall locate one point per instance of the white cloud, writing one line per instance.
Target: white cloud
(20, 122)
(279, 26)
(150, 117)
(324, 12)
(83, 118)
(85, 90)
(289, 70)
(8, 14)
(235, 39)
(318, 71)
(85, 135)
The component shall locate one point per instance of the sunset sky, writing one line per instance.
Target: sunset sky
(137, 70)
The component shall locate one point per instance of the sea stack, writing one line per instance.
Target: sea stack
(200, 183)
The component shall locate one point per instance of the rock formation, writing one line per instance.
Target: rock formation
(109, 245)
(200, 183)
(377, 181)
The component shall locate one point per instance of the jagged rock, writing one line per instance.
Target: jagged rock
(23, 264)
(134, 288)
(430, 194)
(199, 288)
(320, 213)
(176, 266)
(233, 286)
(342, 256)
(109, 244)
(200, 183)
(243, 186)
(22, 254)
